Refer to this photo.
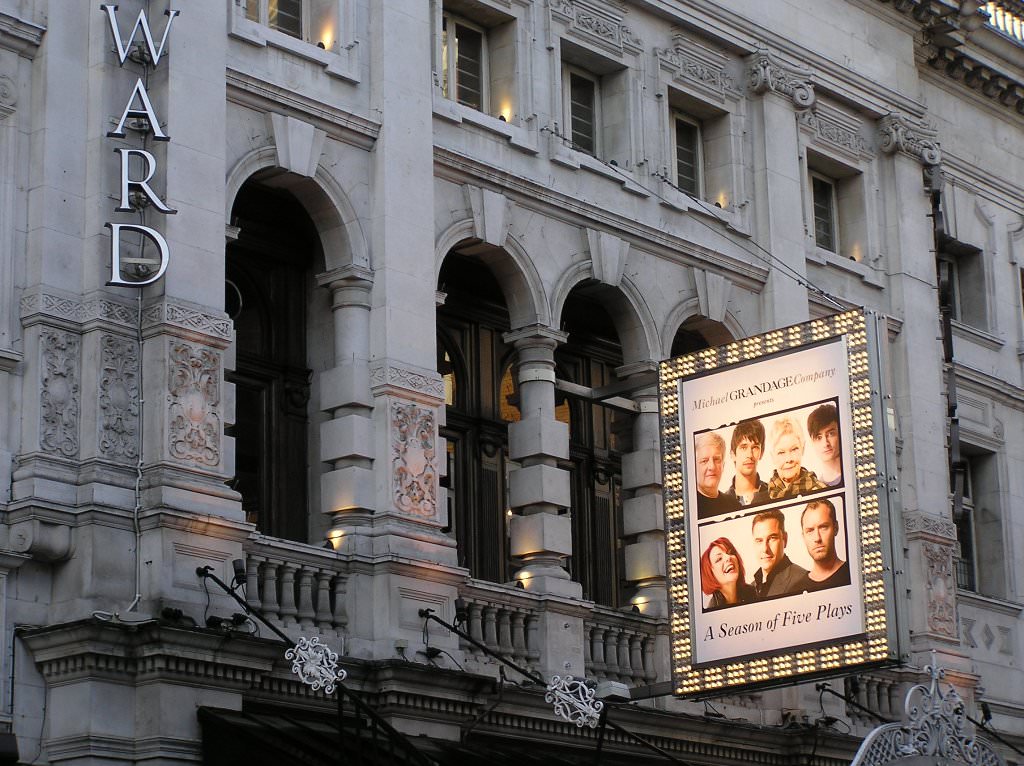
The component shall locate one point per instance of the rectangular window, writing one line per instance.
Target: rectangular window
(689, 158)
(949, 284)
(463, 62)
(582, 111)
(823, 192)
(282, 15)
(966, 561)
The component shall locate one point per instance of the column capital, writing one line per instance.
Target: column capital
(767, 73)
(535, 335)
(346, 276)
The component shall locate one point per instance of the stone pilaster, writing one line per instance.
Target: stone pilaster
(643, 514)
(346, 440)
(778, 182)
(539, 489)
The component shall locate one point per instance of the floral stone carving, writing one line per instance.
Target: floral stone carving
(941, 606)
(193, 402)
(414, 460)
(59, 396)
(119, 397)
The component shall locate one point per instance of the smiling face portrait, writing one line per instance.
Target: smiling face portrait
(787, 448)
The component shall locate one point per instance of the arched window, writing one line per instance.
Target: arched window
(476, 366)
(598, 435)
(268, 288)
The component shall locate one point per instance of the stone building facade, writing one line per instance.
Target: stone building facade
(420, 259)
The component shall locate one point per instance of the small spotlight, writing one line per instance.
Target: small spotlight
(502, 118)
(238, 565)
(519, 584)
(321, 45)
(986, 712)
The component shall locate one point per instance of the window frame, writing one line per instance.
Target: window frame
(698, 150)
(833, 201)
(449, 64)
(263, 17)
(568, 72)
(966, 561)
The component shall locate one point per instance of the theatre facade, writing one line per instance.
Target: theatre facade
(358, 307)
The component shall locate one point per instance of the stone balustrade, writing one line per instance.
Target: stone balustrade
(877, 692)
(503, 619)
(620, 647)
(296, 588)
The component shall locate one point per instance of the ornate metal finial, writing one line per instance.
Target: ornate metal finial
(574, 701)
(315, 664)
(934, 728)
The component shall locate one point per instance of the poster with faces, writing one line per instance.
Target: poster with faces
(773, 533)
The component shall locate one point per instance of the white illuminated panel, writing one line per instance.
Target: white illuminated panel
(706, 658)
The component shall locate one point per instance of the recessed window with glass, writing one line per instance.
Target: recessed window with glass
(463, 62)
(826, 227)
(689, 157)
(582, 110)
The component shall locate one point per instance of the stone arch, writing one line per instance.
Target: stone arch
(716, 333)
(625, 304)
(511, 266)
(324, 200)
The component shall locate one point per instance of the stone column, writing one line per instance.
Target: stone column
(539, 489)
(643, 514)
(778, 182)
(346, 441)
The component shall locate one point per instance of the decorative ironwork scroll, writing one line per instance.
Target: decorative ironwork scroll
(574, 700)
(315, 664)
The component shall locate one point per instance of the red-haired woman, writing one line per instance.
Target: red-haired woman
(722, 576)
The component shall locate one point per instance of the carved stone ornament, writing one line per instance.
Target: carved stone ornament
(923, 523)
(188, 318)
(73, 310)
(574, 700)
(193, 402)
(934, 729)
(941, 605)
(119, 397)
(414, 460)
(831, 131)
(768, 73)
(315, 664)
(59, 394)
(597, 24)
(8, 96)
(690, 62)
(408, 380)
(899, 133)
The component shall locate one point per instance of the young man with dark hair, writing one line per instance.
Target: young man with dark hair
(823, 427)
(778, 576)
(820, 526)
(746, 448)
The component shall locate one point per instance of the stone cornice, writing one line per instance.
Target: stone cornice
(18, 35)
(459, 169)
(121, 652)
(339, 124)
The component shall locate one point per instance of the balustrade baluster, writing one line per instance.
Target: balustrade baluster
(504, 632)
(269, 591)
(490, 627)
(252, 581)
(339, 616)
(650, 669)
(305, 605)
(588, 652)
(532, 642)
(636, 660)
(597, 650)
(476, 628)
(518, 636)
(611, 653)
(288, 609)
(625, 669)
(323, 599)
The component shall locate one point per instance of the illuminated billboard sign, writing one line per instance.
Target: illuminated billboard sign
(779, 545)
